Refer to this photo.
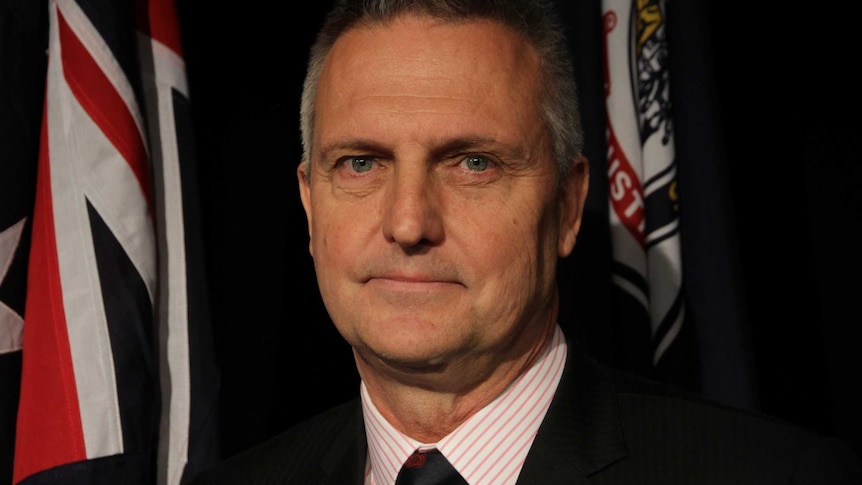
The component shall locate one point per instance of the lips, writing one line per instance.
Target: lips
(412, 283)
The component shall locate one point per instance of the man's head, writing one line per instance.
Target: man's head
(436, 205)
(536, 20)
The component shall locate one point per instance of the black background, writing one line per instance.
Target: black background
(789, 109)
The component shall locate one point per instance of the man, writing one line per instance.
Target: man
(442, 179)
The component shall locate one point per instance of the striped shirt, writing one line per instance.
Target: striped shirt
(491, 446)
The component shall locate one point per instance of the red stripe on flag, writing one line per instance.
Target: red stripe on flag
(49, 429)
(164, 25)
(104, 105)
(625, 191)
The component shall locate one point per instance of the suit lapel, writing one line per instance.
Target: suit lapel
(344, 462)
(581, 433)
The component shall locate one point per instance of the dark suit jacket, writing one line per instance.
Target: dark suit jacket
(603, 427)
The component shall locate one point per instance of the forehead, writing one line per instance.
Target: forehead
(418, 38)
(417, 63)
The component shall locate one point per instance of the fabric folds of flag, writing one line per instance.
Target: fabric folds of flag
(716, 317)
(643, 195)
(188, 437)
(88, 374)
(110, 328)
(681, 317)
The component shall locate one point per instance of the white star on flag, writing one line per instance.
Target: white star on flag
(11, 324)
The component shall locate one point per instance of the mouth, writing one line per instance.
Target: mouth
(412, 283)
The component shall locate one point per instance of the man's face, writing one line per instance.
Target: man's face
(433, 208)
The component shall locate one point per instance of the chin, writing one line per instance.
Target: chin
(418, 365)
(410, 361)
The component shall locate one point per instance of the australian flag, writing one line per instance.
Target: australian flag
(117, 382)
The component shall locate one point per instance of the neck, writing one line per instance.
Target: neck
(428, 404)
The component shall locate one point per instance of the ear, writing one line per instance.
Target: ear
(305, 195)
(572, 205)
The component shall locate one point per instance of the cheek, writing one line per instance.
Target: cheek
(327, 237)
(342, 236)
(509, 291)
(332, 260)
(509, 255)
(529, 251)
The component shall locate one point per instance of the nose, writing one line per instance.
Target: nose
(412, 214)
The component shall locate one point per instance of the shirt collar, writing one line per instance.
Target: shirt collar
(491, 446)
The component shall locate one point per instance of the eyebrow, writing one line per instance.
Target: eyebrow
(351, 144)
(454, 145)
(472, 143)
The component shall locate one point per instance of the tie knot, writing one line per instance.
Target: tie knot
(428, 468)
(417, 459)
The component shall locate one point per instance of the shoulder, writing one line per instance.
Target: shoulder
(660, 421)
(295, 455)
(671, 410)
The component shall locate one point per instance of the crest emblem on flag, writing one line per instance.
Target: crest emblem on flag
(643, 200)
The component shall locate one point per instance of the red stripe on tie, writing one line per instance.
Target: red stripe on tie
(103, 104)
(49, 431)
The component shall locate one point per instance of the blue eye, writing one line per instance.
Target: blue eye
(476, 163)
(361, 164)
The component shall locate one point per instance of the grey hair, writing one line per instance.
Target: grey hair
(536, 20)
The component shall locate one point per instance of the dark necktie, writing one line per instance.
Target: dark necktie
(428, 468)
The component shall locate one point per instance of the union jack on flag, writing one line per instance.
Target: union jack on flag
(117, 381)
